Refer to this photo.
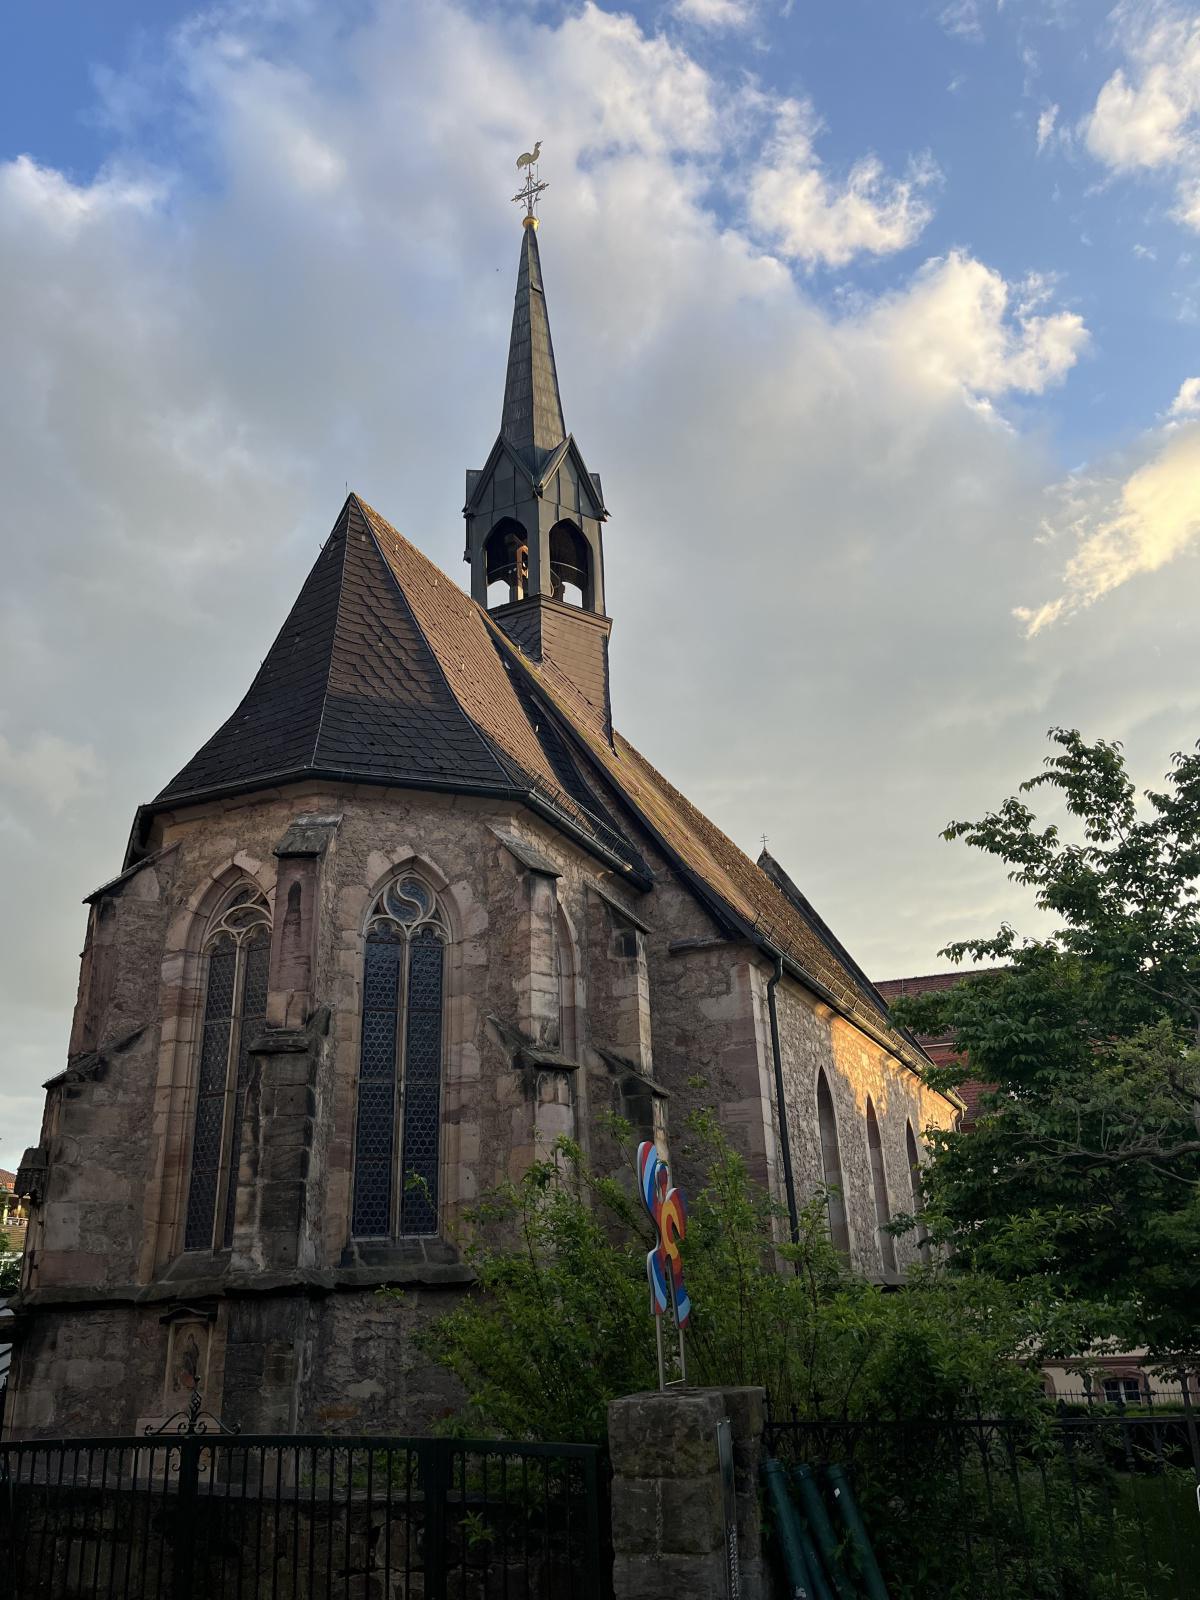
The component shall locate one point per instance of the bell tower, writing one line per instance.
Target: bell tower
(534, 512)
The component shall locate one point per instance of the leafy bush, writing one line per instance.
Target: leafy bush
(561, 1324)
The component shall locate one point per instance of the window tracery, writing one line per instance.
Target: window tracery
(398, 1121)
(237, 954)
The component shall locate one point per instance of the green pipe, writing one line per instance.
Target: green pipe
(821, 1529)
(820, 1589)
(847, 1507)
(787, 1532)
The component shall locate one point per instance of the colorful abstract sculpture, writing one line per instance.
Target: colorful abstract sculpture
(668, 1209)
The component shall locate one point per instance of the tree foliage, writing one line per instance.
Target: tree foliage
(561, 1324)
(1084, 1169)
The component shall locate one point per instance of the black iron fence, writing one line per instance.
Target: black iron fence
(1129, 1394)
(1095, 1507)
(270, 1518)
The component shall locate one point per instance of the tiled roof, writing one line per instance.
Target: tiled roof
(893, 988)
(386, 671)
(350, 685)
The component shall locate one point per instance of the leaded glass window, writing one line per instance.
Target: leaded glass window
(397, 1145)
(237, 953)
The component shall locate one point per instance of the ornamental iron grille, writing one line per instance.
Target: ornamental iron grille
(237, 953)
(400, 1071)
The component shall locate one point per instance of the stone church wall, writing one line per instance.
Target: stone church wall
(812, 1039)
(566, 996)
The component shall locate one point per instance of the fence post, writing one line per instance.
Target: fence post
(1190, 1416)
(184, 1542)
(434, 1467)
(668, 1507)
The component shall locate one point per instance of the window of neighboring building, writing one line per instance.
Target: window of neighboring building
(1124, 1389)
(831, 1163)
(397, 1146)
(237, 954)
(883, 1210)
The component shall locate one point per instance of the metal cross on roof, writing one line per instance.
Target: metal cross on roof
(532, 189)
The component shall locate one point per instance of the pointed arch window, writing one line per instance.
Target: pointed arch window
(564, 960)
(831, 1165)
(237, 955)
(397, 1146)
(918, 1198)
(883, 1209)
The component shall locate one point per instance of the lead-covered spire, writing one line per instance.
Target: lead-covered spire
(532, 418)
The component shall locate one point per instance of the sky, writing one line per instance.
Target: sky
(879, 320)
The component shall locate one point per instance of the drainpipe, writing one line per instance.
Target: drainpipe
(785, 1143)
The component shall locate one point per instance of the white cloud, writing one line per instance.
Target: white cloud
(1187, 402)
(49, 771)
(716, 14)
(47, 199)
(1123, 529)
(1147, 115)
(962, 19)
(960, 325)
(813, 220)
(1045, 126)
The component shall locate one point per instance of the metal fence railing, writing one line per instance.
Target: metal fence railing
(280, 1518)
(1095, 1507)
(1129, 1395)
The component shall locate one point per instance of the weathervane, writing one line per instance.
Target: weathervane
(532, 189)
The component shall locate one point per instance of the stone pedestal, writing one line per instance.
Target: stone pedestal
(670, 1533)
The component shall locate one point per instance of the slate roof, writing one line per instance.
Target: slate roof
(532, 416)
(386, 671)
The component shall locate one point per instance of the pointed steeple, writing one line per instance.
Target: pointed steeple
(532, 418)
(534, 511)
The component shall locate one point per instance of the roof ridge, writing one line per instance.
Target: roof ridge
(342, 518)
(370, 515)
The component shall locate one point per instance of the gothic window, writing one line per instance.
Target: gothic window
(831, 1165)
(398, 1127)
(237, 954)
(918, 1198)
(883, 1210)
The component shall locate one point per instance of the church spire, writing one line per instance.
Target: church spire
(534, 512)
(532, 418)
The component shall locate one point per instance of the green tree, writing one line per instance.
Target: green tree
(562, 1323)
(1083, 1172)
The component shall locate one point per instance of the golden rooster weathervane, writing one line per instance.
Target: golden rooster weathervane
(532, 189)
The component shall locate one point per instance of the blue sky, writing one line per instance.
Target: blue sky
(962, 83)
(879, 320)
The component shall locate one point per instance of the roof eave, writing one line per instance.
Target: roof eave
(524, 794)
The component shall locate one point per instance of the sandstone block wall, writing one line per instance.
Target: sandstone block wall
(566, 995)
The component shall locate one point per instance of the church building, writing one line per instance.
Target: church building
(415, 910)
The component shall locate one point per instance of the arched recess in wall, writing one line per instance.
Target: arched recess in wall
(831, 1166)
(236, 954)
(918, 1198)
(506, 562)
(570, 565)
(883, 1209)
(568, 1018)
(398, 1117)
